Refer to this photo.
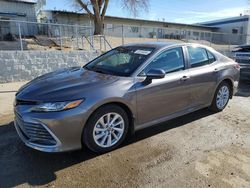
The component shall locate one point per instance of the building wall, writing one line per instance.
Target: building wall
(241, 24)
(130, 27)
(19, 7)
(26, 12)
(248, 32)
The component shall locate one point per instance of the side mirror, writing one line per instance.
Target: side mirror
(155, 74)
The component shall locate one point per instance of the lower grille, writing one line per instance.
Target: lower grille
(35, 133)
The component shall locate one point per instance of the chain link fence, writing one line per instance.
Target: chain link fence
(223, 42)
(20, 35)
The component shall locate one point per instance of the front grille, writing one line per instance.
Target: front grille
(35, 132)
(22, 102)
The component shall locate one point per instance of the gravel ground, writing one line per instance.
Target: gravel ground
(201, 149)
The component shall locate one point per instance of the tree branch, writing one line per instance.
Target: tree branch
(85, 7)
(96, 8)
(104, 9)
(135, 6)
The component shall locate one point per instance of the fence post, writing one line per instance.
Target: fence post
(76, 30)
(20, 36)
(105, 48)
(229, 42)
(60, 35)
(92, 36)
(157, 37)
(100, 42)
(122, 34)
(82, 42)
(211, 38)
(187, 36)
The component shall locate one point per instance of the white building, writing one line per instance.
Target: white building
(235, 30)
(22, 10)
(115, 26)
(238, 29)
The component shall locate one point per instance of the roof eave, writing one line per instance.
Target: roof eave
(115, 17)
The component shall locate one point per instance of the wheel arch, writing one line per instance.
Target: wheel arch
(230, 82)
(128, 111)
(124, 106)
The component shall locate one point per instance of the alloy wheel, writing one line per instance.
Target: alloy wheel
(108, 130)
(222, 97)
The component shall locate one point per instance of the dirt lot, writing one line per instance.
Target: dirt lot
(201, 149)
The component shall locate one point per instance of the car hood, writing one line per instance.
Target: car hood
(63, 85)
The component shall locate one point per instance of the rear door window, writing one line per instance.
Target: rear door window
(199, 57)
(211, 57)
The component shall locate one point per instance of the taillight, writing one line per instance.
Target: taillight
(237, 66)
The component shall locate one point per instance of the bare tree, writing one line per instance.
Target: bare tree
(96, 9)
(135, 6)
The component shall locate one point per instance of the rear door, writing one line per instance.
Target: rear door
(203, 71)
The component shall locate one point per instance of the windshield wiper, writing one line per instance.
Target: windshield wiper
(96, 69)
(101, 71)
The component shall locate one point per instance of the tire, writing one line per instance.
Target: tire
(96, 134)
(224, 88)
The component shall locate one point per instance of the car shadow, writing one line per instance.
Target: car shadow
(20, 164)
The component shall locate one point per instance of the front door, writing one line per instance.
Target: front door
(164, 96)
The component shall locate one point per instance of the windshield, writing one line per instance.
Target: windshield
(122, 61)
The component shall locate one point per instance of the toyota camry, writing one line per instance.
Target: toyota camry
(122, 91)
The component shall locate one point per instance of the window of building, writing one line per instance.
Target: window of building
(110, 27)
(207, 35)
(135, 29)
(235, 30)
(195, 33)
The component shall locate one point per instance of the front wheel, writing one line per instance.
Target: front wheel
(106, 129)
(221, 97)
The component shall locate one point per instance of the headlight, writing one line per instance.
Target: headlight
(56, 106)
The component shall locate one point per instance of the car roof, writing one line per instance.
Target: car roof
(157, 45)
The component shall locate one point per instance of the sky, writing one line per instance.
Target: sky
(181, 11)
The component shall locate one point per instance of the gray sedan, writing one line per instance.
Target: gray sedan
(124, 90)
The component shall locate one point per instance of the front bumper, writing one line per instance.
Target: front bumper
(50, 131)
(235, 87)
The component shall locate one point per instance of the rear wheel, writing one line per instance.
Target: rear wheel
(221, 97)
(106, 129)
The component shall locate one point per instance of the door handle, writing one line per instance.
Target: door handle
(184, 78)
(216, 70)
